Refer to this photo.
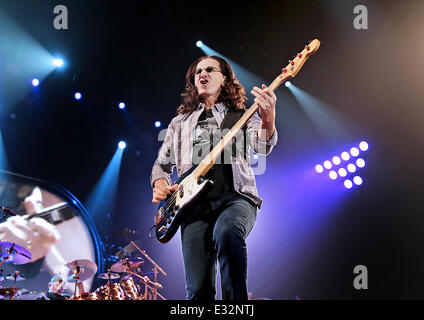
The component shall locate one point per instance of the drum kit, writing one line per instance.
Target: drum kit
(124, 281)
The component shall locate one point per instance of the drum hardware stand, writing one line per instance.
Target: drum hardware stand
(155, 270)
(78, 270)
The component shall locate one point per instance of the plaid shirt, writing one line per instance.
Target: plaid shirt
(177, 150)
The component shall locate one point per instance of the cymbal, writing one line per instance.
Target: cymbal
(14, 253)
(127, 265)
(84, 268)
(12, 277)
(9, 292)
(109, 276)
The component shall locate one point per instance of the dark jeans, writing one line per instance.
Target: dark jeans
(217, 229)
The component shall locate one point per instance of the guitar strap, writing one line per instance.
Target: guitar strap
(230, 119)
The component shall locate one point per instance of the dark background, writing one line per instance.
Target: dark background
(303, 244)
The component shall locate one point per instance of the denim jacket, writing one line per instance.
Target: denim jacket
(177, 150)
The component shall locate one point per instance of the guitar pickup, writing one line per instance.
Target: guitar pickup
(162, 229)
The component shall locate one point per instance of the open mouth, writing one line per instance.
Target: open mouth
(203, 81)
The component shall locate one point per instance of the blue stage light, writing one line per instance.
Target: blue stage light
(157, 124)
(35, 82)
(121, 105)
(287, 84)
(122, 144)
(333, 175)
(57, 62)
(199, 43)
(77, 95)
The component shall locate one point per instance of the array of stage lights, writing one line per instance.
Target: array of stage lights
(345, 166)
(59, 63)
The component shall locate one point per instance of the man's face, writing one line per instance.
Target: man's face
(208, 78)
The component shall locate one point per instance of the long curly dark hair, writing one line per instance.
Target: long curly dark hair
(232, 92)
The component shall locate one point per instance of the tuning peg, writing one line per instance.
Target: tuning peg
(299, 55)
(291, 62)
(284, 70)
(307, 47)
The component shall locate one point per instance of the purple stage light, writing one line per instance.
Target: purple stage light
(363, 145)
(348, 184)
(333, 175)
(342, 172)
(336, 160)
(354, 152)
(360, 163)
(345, 156)
(327, 164)
(77, 96)
(351, 167)
(319, 168)
(357, 180)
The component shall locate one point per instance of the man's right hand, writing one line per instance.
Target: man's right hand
(162, 190)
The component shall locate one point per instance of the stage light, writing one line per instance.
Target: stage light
(122, 145)
(327, 164)
(348, 184)
(255, 156)
(35, 82)
(157, 124)
(77, 96)
(345, 156)
(333, 175)
(336, 160)
(199, 44)
(357, 180)
(287, 84)
(354, 152)
(351, 167)
(363, 146)
(319, 168)
(342, 172)
(121, 105)
(360, 163)
(58, 62)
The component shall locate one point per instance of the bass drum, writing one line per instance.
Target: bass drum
(113, 291)
(77, 236)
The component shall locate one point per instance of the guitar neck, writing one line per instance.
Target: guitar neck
(206, 164)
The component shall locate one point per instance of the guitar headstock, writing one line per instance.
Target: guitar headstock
(297, 63)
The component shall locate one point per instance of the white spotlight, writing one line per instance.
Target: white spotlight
(58, 62)
(199, 43)
(122, 144)
(287, 84)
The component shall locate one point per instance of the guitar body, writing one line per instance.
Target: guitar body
(171, 212)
